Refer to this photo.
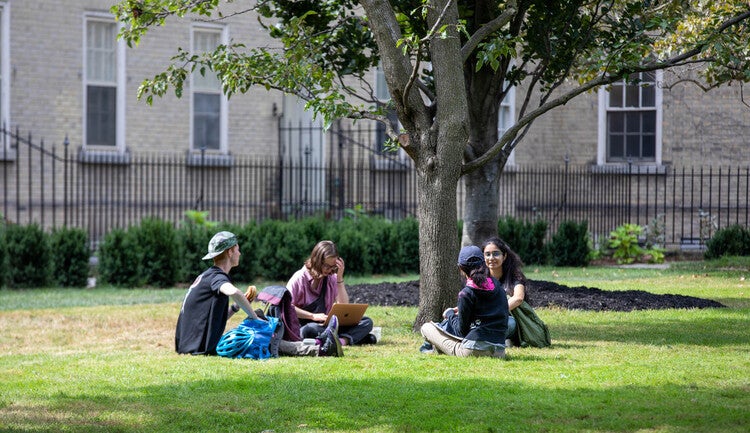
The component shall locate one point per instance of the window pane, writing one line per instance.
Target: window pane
(648, 77)
(616, 122)
(206, 125)
(633, 146)
(633, 122)
(648, 95)
(615, 146)
(632, 93)
(205, 41)
(100, 51)
(100, 115)
(649, 122)
(615, 96)
(649, 147)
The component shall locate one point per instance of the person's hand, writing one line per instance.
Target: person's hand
(340, 266)
(319, 317)
(250, 293)
(445, 313)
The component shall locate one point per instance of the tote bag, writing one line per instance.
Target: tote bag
(532, 331)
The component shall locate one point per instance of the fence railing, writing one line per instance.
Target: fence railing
(61, 187)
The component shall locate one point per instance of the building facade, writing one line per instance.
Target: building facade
(71, 85)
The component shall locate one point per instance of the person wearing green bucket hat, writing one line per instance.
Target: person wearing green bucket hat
(205, 309)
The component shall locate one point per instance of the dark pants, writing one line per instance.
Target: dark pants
(354, 334)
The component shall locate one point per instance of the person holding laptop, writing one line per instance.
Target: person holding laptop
(316, 287)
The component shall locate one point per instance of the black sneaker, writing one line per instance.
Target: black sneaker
(331, 346)
(427, 347)
(369, 339)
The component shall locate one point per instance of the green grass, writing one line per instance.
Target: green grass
(102, 360)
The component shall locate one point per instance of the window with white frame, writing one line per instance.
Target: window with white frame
(208, 102)
(630, 121)
(104, 83)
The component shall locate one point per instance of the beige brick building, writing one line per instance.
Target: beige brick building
(65, 76)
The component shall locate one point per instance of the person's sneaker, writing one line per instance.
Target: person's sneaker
(369, 339)
(426, 347)
(508, 343)
(331, 346)
(333, 325)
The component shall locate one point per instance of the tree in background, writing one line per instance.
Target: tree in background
(448, 65)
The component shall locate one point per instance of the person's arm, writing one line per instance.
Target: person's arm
(342, 296)
(465, 312)
(519, 293)
(239, 298)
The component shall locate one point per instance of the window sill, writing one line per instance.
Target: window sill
(198, 159)
(115, 156)
(646, 169)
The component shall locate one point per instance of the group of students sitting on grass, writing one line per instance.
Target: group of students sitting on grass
(482, 323)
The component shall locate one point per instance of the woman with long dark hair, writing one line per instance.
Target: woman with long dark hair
(505, 266)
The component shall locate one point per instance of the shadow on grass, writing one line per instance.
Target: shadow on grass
(283, 402)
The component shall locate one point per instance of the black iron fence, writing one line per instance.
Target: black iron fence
(56, 186)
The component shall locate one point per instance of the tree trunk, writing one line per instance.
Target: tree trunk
(481, 204)
(438, 244)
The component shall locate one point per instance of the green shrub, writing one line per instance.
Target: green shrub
(70, 256)
(29, 259)
(354, 246)
(281, 248)
(732, 240)
(120, 259)
(193, 244)
(3, 256)
(404, 246)
(157, 241)
(570, 246)
(525, 238)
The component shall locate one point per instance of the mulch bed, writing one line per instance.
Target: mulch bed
(541, 294)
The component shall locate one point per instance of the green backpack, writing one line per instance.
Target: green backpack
(530, 329)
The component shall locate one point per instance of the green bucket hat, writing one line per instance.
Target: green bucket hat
(221, 242)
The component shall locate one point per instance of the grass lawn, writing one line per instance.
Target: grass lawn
(102, 360)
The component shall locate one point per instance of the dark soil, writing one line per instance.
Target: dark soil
(541, 294)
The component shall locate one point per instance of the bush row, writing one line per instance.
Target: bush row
(156, 253)
(30, 257)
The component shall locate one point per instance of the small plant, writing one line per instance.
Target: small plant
(708, 225)
(358, 211)
(624, 241)
(200, 218)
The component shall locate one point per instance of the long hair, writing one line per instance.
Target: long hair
(320, 252)
(512, 263)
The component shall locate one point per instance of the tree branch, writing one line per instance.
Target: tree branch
(488, 29)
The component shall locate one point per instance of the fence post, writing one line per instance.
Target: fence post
(199, 201)
(66, 143)
(630, 193)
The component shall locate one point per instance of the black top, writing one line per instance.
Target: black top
(483, 313)
(203, 315)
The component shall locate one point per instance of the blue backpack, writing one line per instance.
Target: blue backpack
(250, 339)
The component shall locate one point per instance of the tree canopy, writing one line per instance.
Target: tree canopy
(448, 64)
